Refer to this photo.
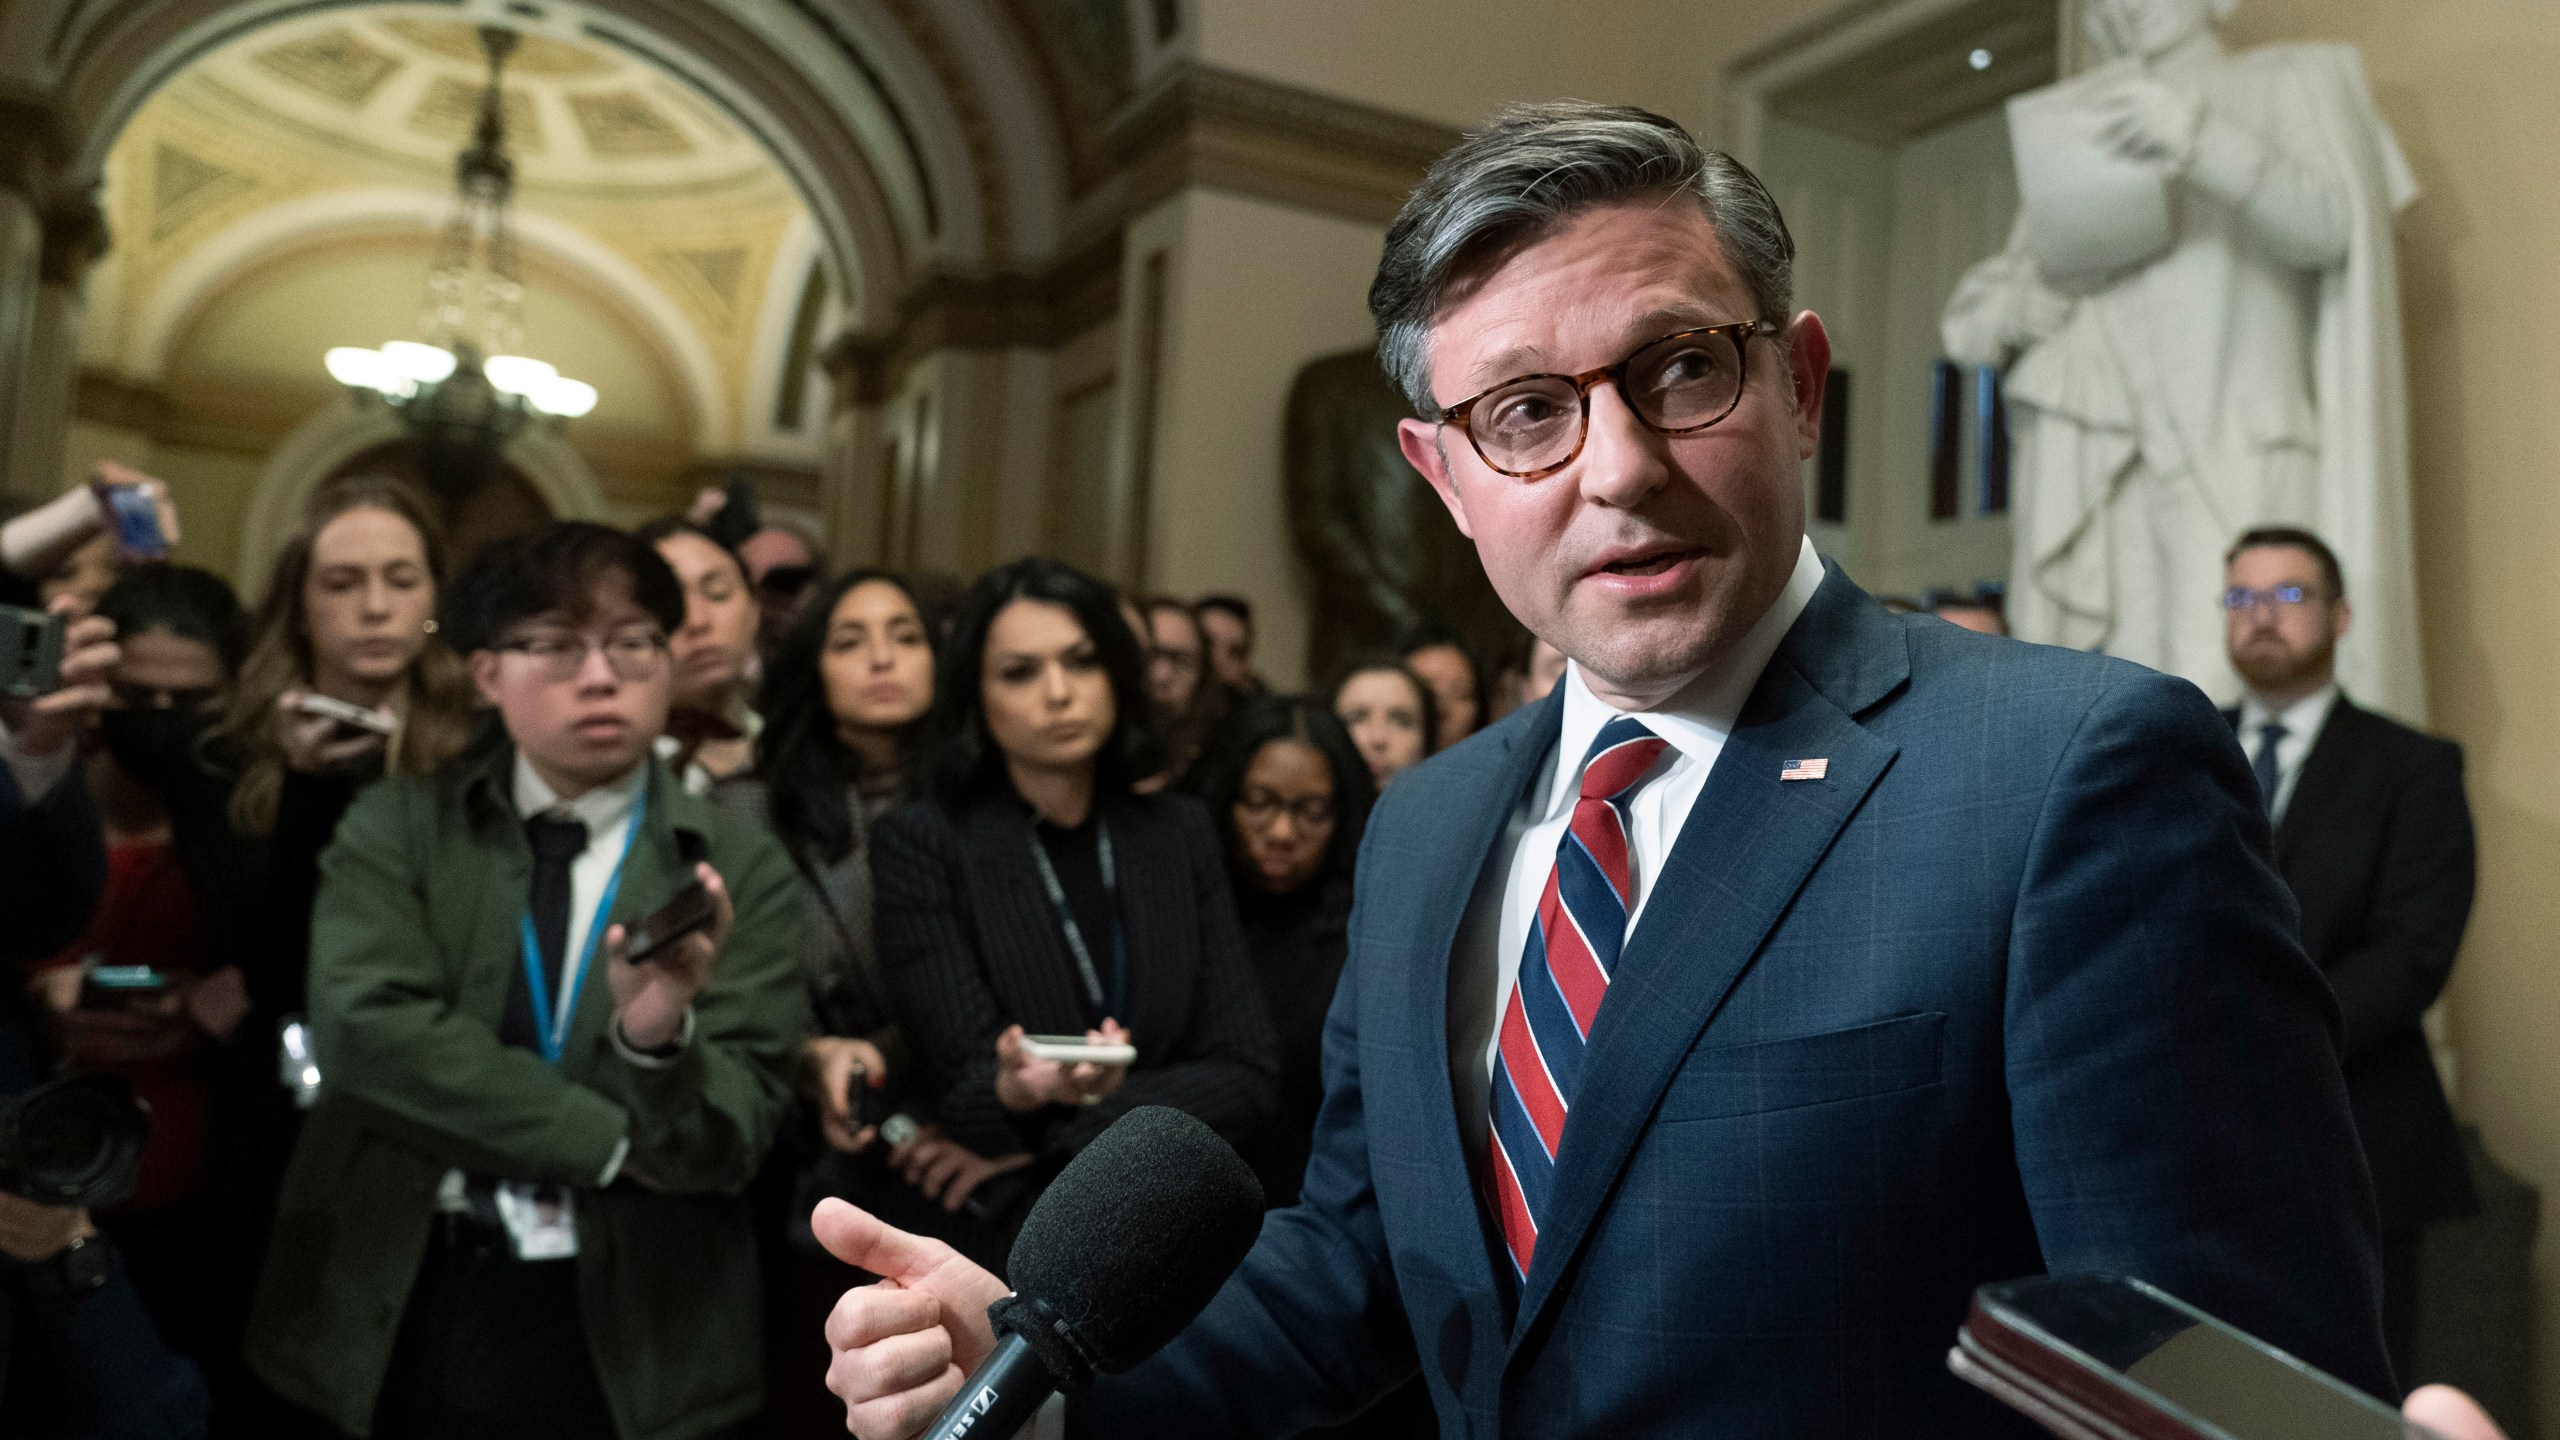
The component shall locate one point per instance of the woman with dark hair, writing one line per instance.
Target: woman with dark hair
(1289, 794)
(1389, 713)
(1456, 677)
(711, 726)
(843, 699)
(1035, 893)
(162, 921)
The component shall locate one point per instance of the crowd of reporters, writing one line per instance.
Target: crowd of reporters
(298, 879)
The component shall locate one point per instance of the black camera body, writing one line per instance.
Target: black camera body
(74, 1142)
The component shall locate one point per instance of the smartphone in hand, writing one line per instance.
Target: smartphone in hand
(1078, 1050)
(688, 912)
(31, 648)
(135, 515)
(353, 720)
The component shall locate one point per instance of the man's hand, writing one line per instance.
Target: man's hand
(900, 1348)
(32, 1234)
(833, 1062)
(1025, 1084)
(650, 998)
(44, 725)
(2142, 119)
(2450, 1413)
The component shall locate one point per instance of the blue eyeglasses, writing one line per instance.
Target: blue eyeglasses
(2240, 597)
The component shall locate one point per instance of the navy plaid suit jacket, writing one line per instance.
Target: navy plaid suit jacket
(2013, 988)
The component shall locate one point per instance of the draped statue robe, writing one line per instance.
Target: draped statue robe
(2249, 375)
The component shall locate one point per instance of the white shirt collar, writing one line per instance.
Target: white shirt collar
(1698, 717)
(2301, 719)
(599, 809)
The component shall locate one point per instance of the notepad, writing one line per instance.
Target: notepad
(2090, 213)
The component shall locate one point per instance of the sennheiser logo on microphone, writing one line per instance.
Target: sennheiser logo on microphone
(979, 1405)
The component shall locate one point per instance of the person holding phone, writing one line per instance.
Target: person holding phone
(531, 1141)
(1036, 893)
(844, 698)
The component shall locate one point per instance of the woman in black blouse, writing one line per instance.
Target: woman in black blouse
(1035, 892)
(1289, 793)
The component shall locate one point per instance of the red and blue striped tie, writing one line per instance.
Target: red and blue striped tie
(1564, 974)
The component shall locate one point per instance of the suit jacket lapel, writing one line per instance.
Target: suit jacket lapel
(1477, 802)
(2323, 771)
(1748, 845)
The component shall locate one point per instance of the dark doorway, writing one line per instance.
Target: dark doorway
(504, 504)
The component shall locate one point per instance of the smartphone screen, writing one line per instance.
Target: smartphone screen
(137, 522)
(2232, 1382)
(30, 652)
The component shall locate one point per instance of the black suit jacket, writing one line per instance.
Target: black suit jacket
(969, 944)
(2377, 846)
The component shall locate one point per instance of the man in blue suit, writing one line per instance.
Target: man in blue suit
(1714, 1026)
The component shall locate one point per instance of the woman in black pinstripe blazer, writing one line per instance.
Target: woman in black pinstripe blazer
(1036, 892)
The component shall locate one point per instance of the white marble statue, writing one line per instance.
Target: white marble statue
(2240, 363)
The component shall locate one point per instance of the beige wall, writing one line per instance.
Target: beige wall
(1258, 290)
(2467, 86)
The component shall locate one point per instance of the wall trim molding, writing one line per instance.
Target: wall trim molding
(1205, 125)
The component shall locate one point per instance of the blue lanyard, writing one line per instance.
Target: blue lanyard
(554, 1033)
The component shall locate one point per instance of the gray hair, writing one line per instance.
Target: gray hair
(1534, 167)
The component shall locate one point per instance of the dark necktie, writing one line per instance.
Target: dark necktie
(2270, 738)
(557, 844)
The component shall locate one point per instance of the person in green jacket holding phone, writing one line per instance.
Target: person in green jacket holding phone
(518, 1207)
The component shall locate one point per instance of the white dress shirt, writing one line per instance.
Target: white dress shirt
(606, 812)
(1695, 720)
(2301, 721)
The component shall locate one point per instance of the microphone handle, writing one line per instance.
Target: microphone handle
(999, 1397)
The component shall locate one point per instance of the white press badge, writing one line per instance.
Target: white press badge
(541, 1220)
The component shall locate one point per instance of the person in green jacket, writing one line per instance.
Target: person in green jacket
(518, 1207)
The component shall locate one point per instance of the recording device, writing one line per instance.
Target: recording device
(353, 720)
(30, 652)
(738, 517)
(1125, 1248)
(74, 1142)
(690, 910)
(865, 1102)
(1078, 1050)
(2101, 1357)
(122, 987)
(135, 514)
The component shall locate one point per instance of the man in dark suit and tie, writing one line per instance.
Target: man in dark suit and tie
(2374, 836)
(1713, 1026)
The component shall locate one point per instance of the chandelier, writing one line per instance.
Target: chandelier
(462, 389)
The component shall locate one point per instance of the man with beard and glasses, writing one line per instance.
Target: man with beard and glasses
(2374, 836)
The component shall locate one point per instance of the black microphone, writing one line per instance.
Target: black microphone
(1126, 1247)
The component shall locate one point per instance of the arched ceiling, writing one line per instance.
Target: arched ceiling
(404, 82)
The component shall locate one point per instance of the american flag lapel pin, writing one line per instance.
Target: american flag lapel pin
(1805, 770)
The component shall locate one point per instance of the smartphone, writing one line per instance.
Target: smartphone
(1077, 1050)
(689, 911)
(136, 512)
(122, 987)
(738, 517)
(2102, 1357)
(30, 652)
(865, 1103)
(353, 720)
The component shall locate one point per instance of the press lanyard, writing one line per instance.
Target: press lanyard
(1067, 920)
(564, 1007)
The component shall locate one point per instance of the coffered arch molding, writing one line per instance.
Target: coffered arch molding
(838, 91)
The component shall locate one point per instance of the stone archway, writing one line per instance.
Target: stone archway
(329, 442)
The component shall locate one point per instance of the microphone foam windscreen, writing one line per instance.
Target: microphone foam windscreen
(1137, 1233)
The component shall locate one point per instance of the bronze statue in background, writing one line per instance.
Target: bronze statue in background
(1381, 550)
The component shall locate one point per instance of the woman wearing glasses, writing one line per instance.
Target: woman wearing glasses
(1037, 894)
(1289, 793)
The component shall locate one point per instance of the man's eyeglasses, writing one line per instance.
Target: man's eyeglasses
(1261, 807)
(1534, 425)
(2240, 598)
(632, 654)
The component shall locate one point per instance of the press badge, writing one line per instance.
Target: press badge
(541, 1220)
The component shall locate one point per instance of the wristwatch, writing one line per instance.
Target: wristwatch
(76, 1269)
